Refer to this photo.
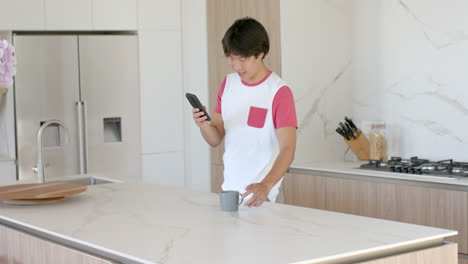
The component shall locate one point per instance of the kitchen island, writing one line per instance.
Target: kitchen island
(149, 223)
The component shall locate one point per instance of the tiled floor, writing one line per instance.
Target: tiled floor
(462, 259)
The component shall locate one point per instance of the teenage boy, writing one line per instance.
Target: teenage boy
(255, 114)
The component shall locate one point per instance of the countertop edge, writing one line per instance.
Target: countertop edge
(72, 242)
(385, 251)
(383, 175)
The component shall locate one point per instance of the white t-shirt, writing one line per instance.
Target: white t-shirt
(251, 115)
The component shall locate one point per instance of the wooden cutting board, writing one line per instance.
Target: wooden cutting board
(35, 201)
(39, 191)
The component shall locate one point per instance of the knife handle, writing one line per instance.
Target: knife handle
(342, 133)
(351, 130)
(351, 123)
(346, 130)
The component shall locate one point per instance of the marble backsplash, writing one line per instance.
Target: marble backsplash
(403, 62)
(316, 63)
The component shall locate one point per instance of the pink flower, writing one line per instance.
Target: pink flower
(7, 64)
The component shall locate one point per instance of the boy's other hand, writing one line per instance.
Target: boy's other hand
(199, 117)
(260, 194)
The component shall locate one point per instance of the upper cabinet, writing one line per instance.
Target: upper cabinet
(68, 14)
(115, 14)
(22, 15)
(159, 15)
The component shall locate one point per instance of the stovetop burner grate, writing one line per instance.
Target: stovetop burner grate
(417, 166)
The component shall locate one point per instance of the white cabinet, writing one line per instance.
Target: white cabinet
(115, 14)
(195, 80)
(22, 15)
(68, 15)
(160, 14)
(90, 15)
(164, 168)
(161, 91)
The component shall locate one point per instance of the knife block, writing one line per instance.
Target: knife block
(360, 146)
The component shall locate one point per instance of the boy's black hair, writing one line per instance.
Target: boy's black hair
(246, 37)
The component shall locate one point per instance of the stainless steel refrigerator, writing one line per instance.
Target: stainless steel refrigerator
(89, 82)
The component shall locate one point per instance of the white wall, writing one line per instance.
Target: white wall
(411, 72)
(316, 63)
(404, 62)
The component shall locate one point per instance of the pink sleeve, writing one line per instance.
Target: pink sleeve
(220, 95)
(284, 109)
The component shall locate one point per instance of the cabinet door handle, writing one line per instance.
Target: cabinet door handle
(81, 139)
(85, 135)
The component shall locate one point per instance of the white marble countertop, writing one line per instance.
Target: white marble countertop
(352, 169)
(150, 223)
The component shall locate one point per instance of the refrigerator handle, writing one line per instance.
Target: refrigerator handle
(81, 154)
(85, 135)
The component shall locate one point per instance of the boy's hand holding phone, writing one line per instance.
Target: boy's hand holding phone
(200, 117)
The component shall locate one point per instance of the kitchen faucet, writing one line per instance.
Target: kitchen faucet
(40, 165)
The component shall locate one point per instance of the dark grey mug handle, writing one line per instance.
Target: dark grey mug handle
(242, 199)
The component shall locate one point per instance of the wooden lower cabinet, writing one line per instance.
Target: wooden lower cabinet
(462, 259)
(3, 246)
(434, 207)
(217, 178)
(22, 248)
(57, 254)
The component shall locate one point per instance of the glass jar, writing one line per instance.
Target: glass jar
(378, 142)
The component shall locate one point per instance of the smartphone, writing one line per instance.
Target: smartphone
(193, 100)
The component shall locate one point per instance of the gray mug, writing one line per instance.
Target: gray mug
(229, 200)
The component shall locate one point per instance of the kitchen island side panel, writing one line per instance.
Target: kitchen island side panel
(397, 202)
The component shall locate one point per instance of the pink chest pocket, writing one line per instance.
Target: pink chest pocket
(257, 117)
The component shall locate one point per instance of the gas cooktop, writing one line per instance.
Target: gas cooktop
(443, 168)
